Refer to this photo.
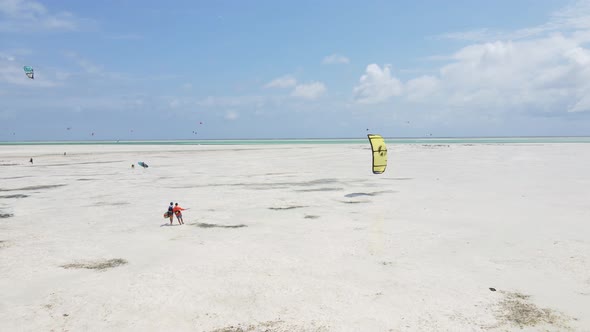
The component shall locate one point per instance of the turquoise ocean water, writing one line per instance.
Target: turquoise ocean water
(392, 140)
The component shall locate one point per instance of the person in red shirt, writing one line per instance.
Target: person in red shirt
(177, 211)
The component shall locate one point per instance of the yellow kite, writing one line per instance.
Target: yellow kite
(379, 153)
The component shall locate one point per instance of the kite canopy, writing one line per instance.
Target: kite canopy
(29, 72)
(379, 153)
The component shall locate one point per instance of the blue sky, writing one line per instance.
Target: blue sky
(281, 69)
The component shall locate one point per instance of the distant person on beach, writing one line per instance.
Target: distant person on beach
(31, 161)
(171, 212)
(177, 211)
(132, 165)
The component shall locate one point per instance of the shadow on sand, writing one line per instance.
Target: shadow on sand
(96, 265)
(204, 225)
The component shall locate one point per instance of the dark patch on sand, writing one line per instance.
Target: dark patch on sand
(15, 177)
(309, 216)
(8, 164)
(434, 146)
(354, 202)
(517, 310)
(85, 179)
(6, 215)
(204, 225)
(374, 193)
(319, 189)
(110, 203)
(398, 179)
(271, 326)
(86, 162)
(97, 265)
(3, 244)
(318, 181)
(14, 196)
(287, 207)
(266, 186)
(358, 194)
(35, 187)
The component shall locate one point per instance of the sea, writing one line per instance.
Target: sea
(391, 140)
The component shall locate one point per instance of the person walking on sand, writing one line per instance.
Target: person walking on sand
(171, 212)
(177, 211)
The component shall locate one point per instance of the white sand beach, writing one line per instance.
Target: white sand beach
(295, 238)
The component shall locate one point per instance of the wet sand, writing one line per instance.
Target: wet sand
(478, 237)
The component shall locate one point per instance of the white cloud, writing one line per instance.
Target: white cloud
(85, 64)
(28, 15)
(582, 105)
(548, 74)
(282, 82)
(13, 54)
(418, 88)
(471, 35)
(579, 55)
(231, 115)
(539, 70)
(573, 17)
(7, 57)
(94, 70)
(11, 73)
(309, 91)
(377, 85)
(174, 103)
(335, 59)
(236, 101)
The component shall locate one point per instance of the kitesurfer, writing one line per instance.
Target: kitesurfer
(31, 161)
(171, 212)
(178, 214)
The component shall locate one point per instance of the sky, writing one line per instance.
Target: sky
(126, 69)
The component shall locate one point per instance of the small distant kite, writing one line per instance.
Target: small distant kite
(29, 72)
(379, 153)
